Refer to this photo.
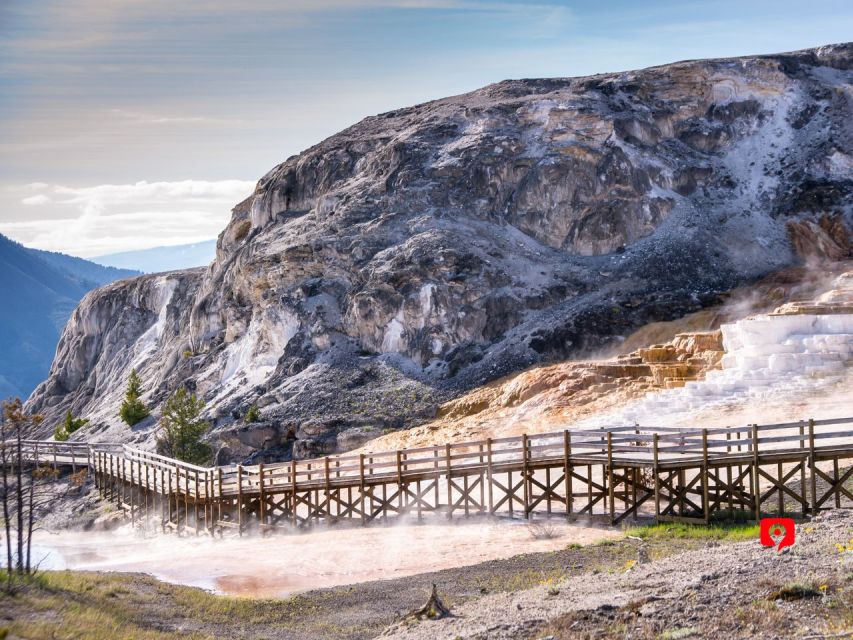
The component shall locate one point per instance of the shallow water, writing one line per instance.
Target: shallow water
(281, 565)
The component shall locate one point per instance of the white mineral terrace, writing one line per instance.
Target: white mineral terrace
(768, 357)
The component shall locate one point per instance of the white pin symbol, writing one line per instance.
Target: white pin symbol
(777, 534)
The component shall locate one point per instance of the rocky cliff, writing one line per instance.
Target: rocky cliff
(425, 251)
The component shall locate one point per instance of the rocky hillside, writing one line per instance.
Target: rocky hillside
(686, 374)
(429, 250)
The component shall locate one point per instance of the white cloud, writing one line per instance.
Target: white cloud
(118, 217)
(36, 200)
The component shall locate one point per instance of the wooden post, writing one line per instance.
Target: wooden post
(525, 475)
(448, 466)
(437, 500)
(755, 463)
(328, 489)
(803, 463)
(219, 496)
(186, 497)
(489, 476)
(132, 501)
(240, 499)
(261, 495)
(706, 504)
(729, 476)
(162, 505)
(656, 473)
(170, 499)
(835, 478)
(196, 497)
(812, 467)
(361, 486)
(208, 506)
(482, 482)
(294, 517)
(589, 486)
(610, 495)
(109, 488)
(567, 470)
(142, 486)
(308, 495)
(399, 461)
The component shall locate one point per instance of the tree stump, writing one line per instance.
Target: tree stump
(434, 609)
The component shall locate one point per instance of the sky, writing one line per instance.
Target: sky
(128, 124)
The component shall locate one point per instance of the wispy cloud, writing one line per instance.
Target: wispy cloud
(138, 117)
(115, 217)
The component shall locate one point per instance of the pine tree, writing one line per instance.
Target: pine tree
(133, 410)
(182, 429)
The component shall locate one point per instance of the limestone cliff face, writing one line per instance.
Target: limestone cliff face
(431, 249)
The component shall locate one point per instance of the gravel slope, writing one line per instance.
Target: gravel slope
(719, 591)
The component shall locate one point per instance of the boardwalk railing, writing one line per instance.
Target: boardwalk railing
(672, 474)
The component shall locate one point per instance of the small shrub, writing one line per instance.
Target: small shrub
(253, 414)
(78, 479)
(63, 431)
(797, 591)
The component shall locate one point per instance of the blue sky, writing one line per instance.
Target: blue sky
(133, 123)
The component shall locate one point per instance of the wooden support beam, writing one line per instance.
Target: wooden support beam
(813, 467)
(490, 476)
(567, 473)
(706, 511)
(755, 463)
(448, 471)
(611, 501)
(240, 499)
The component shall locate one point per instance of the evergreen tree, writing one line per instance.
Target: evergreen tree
(133, 410)
(71, 424)
(182, 429)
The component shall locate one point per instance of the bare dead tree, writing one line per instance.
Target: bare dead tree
(19, 496)
(7, 519)
(19, 489)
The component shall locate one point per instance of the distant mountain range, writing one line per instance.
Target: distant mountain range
(39, 290)
(158, 259)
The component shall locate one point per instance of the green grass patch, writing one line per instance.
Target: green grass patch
(679, 531)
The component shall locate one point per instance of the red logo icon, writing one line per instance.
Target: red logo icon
(777, 532)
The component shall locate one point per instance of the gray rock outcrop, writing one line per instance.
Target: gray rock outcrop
(428, 250)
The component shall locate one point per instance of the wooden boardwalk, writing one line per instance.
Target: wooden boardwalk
(674, 475)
